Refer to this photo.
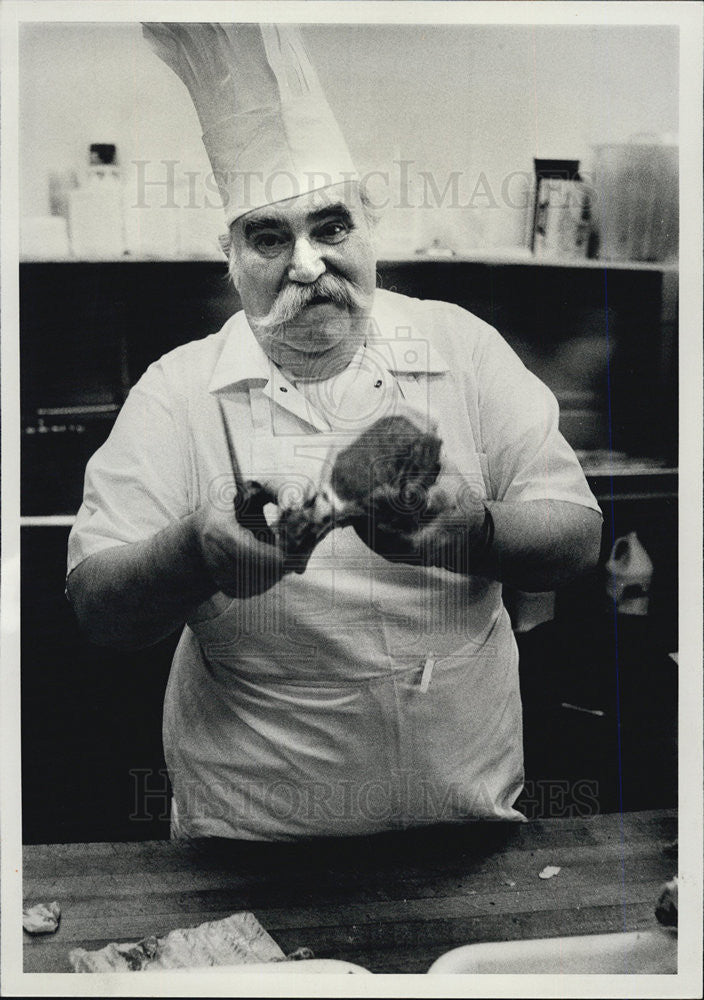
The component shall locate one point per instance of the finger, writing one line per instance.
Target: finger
(387, 541)
(444, 542)
(301, 528)
(297, 562)
(249, 510)
(259, 566)
(253, 498)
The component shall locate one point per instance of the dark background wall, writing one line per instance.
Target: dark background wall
(604, 340)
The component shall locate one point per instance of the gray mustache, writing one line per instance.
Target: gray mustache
(293, 298)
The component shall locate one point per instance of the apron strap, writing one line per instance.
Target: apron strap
(260, 408)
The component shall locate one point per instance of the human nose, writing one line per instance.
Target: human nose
(306, 265)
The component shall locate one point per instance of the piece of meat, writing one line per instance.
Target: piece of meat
(300, 528)
(388, 471)
(379, 484)
(250, 501)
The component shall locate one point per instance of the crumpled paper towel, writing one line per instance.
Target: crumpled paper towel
(43, 918)
(238, 939)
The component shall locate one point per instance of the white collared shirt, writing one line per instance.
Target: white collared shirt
(360, 695)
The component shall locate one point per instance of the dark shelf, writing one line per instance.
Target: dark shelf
(600, 334)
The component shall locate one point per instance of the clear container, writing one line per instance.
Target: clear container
(95, 209)
(635, 201)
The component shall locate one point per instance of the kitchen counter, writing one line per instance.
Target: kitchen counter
(391, 902)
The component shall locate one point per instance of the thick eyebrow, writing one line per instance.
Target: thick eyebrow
(338, 208)
(274, 221)
(266, 222)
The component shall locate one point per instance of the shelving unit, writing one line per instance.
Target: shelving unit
(602, 334)
(88, 331)
(90, 328)
(492, 256)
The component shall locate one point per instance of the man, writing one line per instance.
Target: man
(377, 685)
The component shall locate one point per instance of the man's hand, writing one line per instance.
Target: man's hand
(456, 532)
(411, 506)
(406, 502)
(382, 482)
(441, 526)
(130, 596)
(239, 549)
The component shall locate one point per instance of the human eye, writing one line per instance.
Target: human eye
(268, 242)
(333, 230)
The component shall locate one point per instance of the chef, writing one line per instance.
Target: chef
(374, 684)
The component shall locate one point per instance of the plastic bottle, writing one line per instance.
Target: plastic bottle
(95, 209)
(629, 572)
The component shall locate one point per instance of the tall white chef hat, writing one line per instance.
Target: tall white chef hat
(267, 129)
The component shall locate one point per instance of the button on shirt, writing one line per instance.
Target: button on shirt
(361, 695)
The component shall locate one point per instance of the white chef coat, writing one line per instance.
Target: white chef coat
(361, 695)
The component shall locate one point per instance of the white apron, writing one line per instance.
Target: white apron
(360, 696)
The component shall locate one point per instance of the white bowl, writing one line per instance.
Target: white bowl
(651, 951)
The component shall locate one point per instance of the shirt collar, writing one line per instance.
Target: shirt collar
(396, 340)
(392, 338)
(241, 359)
